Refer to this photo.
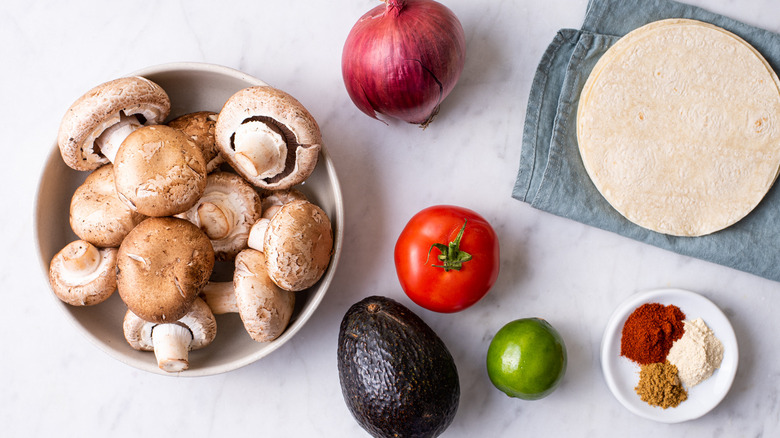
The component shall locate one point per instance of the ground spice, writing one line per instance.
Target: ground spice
(697, 354)
(650, 331)
(660, 386)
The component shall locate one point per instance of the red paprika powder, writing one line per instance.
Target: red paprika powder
(650, 331)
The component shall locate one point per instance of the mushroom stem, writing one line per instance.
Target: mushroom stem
(81, 258)
(110, 140)
(172, 346)
(260, 149)
(220, 296)
(214, 220)
(257, 234)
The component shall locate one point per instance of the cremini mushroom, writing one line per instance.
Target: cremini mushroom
(83, 275)
(272, 201)
(97, 215)
(97, 122)
(172, 342)
(162, 265)
(264, 308)
(200, 127)
(297, 242)
(268, 137)
(226, 212)
(159, 171)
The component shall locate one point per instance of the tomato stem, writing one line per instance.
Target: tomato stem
(451, 256)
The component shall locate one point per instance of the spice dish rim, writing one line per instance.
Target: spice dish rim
(622, 375)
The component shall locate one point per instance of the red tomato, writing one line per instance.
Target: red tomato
(439, 282)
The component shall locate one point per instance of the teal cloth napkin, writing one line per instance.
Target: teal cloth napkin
(551, 176)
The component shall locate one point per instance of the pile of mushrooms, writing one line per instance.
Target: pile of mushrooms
(165, 201)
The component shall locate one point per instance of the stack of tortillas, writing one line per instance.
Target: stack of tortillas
(678, 127)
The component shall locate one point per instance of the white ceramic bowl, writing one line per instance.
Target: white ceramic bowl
(622, 375)
(191, 87)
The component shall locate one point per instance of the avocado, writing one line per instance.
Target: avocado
(397, 376)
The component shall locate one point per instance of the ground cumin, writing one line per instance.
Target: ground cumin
(650, 331)
(659, 385)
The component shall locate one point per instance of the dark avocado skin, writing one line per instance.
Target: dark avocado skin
(396, 374)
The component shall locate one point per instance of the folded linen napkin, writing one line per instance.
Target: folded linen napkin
(551, 175)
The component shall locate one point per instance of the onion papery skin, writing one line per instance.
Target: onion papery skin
(403, 58)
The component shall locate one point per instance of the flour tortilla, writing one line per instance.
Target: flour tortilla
(678, 127)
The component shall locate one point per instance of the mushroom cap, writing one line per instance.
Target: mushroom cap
(264, 308)
(162, 265)
(298, 245)
(284, 113)
(139, 333)
(97, 215)
(272, 201)
(159, 171)
(239, 206)
(93, 280)
(200, 126)
(99, 108)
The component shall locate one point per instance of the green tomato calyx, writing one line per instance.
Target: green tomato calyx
(451, 256)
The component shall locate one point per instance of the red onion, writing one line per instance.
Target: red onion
(403, 58)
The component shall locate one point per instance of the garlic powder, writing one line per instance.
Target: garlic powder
(697, 354)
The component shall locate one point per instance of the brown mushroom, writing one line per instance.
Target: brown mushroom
(297, 242)
(162, 266)
(264, 308)
(83, 275)
(159, 171)
(97, 215)
(271, 203)
(200, 127)
(172, 342)
(226, 212)
(268, 137)
(274, 200)
(96, 123)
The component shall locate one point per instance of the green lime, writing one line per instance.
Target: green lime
(527, 359)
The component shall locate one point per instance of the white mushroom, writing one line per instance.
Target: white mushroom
(268, 137)
(159, 171)
(172, 342)
(83, 275)
(162, 265)
(96, 123)
(264, 308)
(226, 212)
(297, 242)
(200, 127)
(97, 215)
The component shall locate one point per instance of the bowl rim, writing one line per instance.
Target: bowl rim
(306, 312)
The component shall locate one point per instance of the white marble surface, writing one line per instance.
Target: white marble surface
(53, 382)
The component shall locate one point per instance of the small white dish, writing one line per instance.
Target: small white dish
(191, 87)
(622, 374)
